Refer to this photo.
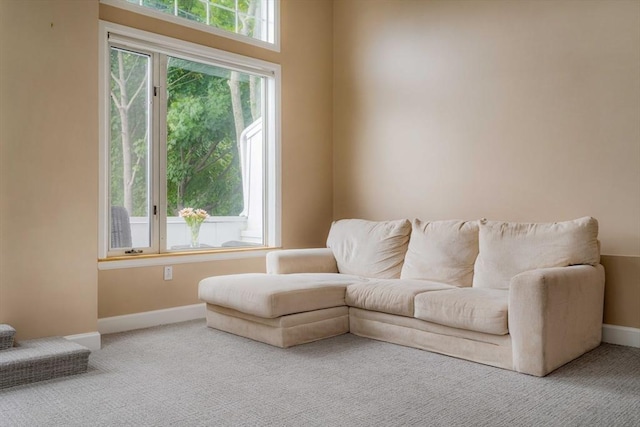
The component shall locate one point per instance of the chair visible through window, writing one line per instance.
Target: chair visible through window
(120, 228)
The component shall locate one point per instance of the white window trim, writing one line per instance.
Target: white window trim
(275, 46)
(273, 207)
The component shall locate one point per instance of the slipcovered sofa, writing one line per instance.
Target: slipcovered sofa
(525, 297)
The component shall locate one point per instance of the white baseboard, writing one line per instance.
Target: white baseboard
(621, 335)
(129, 322)
(91, 340)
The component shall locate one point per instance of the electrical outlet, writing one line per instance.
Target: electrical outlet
(168, 273)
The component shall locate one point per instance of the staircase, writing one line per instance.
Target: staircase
(38, 360)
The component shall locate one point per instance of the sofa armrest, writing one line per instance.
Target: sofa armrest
(301, 261)
(555, 315)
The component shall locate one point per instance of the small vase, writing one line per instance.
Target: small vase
(195, 235)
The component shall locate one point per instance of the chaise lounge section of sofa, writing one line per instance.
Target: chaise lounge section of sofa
(524, 297)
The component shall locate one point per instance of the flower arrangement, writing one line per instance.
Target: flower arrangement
(193, 216)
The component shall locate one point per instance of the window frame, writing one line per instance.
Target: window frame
(144, 41)
(275, 46)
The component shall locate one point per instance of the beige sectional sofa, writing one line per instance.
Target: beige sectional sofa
(525, 297)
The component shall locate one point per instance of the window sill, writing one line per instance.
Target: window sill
(148, 260)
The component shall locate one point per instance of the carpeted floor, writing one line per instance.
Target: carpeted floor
(189, 375)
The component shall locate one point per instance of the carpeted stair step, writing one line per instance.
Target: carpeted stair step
(6, 336)
(41, 359)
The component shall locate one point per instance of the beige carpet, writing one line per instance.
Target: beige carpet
(188, 375)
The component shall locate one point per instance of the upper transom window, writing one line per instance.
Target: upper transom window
(250, 21)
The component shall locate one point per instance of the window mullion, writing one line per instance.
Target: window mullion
(157, 120)
(161, 174)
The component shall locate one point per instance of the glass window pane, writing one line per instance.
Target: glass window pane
(214, 156)
(129, 194)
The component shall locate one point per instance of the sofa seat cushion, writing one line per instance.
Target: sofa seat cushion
(442, 251)
(270, 296)
(474, 309)
(369, 248)
(393, 296)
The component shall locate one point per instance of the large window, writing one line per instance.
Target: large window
(253, 21)
(189, 147)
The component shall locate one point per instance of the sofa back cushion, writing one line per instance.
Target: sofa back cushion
(369, 248)
(442, 251)
(507, 248)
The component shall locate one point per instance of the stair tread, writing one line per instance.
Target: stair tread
(39, 349)
(41, 359)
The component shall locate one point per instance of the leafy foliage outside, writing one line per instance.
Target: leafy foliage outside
(203, 162)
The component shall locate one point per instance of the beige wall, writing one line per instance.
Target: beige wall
(514, 110)
(48, 161)
(622, 290)
(306, 61)
(134, 290)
